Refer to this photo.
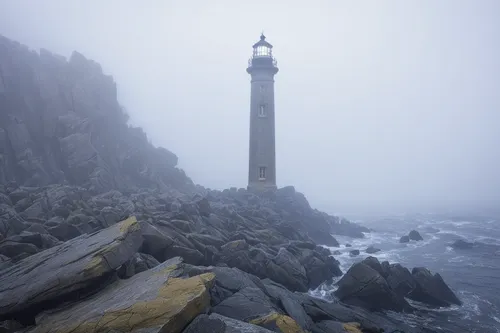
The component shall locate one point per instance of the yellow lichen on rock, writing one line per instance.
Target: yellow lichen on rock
(177, 303)
(284, 323)
(129, 224)
(352, 327)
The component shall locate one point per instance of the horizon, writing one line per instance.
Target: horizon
(398, 102)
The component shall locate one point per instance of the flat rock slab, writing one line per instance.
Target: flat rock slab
(66, 268)
(216, 323)
(153, 301)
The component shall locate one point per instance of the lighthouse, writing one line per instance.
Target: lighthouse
(262, 67)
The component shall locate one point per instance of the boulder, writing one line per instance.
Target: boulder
(371, 249)
(354, 253)
(404, 239)
(289, 303)
(278, 323)
(348, 245)
(415, 235)
(365, 287)
(462, 245)
(64, 231)
(216, 323)
(12, 248)
(56, 273)
(293, 268)
(431, 289)
(155, 242)
(246, 304)
(168, 304)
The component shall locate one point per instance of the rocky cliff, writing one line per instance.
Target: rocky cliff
(101, 232)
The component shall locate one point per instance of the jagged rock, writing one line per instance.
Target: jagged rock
(371, 249)
(292, 307)
(365, 287)
(415, 235)
(289, 263)
(168, 304)
(155, 242)
(348, 245)
(400, 279)
(404, 239)
(59, 271)
(462, 245)
(431, 289)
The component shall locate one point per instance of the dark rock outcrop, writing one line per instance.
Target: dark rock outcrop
(372, 249)
(461, 244)
(415, 235)
(404, 239)
(375, 286)
(431, 289)
(365, 287)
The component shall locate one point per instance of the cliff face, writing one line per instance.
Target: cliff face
(60, 122)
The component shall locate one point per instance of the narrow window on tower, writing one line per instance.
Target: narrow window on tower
(262, 173)
(262, 110)
(262, 89)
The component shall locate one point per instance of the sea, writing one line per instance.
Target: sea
(473, 274)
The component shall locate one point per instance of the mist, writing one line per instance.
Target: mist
(387, 104)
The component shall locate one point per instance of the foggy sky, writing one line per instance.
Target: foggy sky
(393, 104)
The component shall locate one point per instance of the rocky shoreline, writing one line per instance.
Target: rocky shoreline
(101, 232)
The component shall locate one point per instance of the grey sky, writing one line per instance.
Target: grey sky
(388, 103)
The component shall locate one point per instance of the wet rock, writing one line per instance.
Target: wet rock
(168, 304)
(431, 289)
(294, 270)
(348, 245)
(354, 253)
(365, 287)
(462, 245)
(246, 304)
(400, 279)
(415, 235)
(12, 248)
(57, 272)
(404, 239)
(371, 249)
